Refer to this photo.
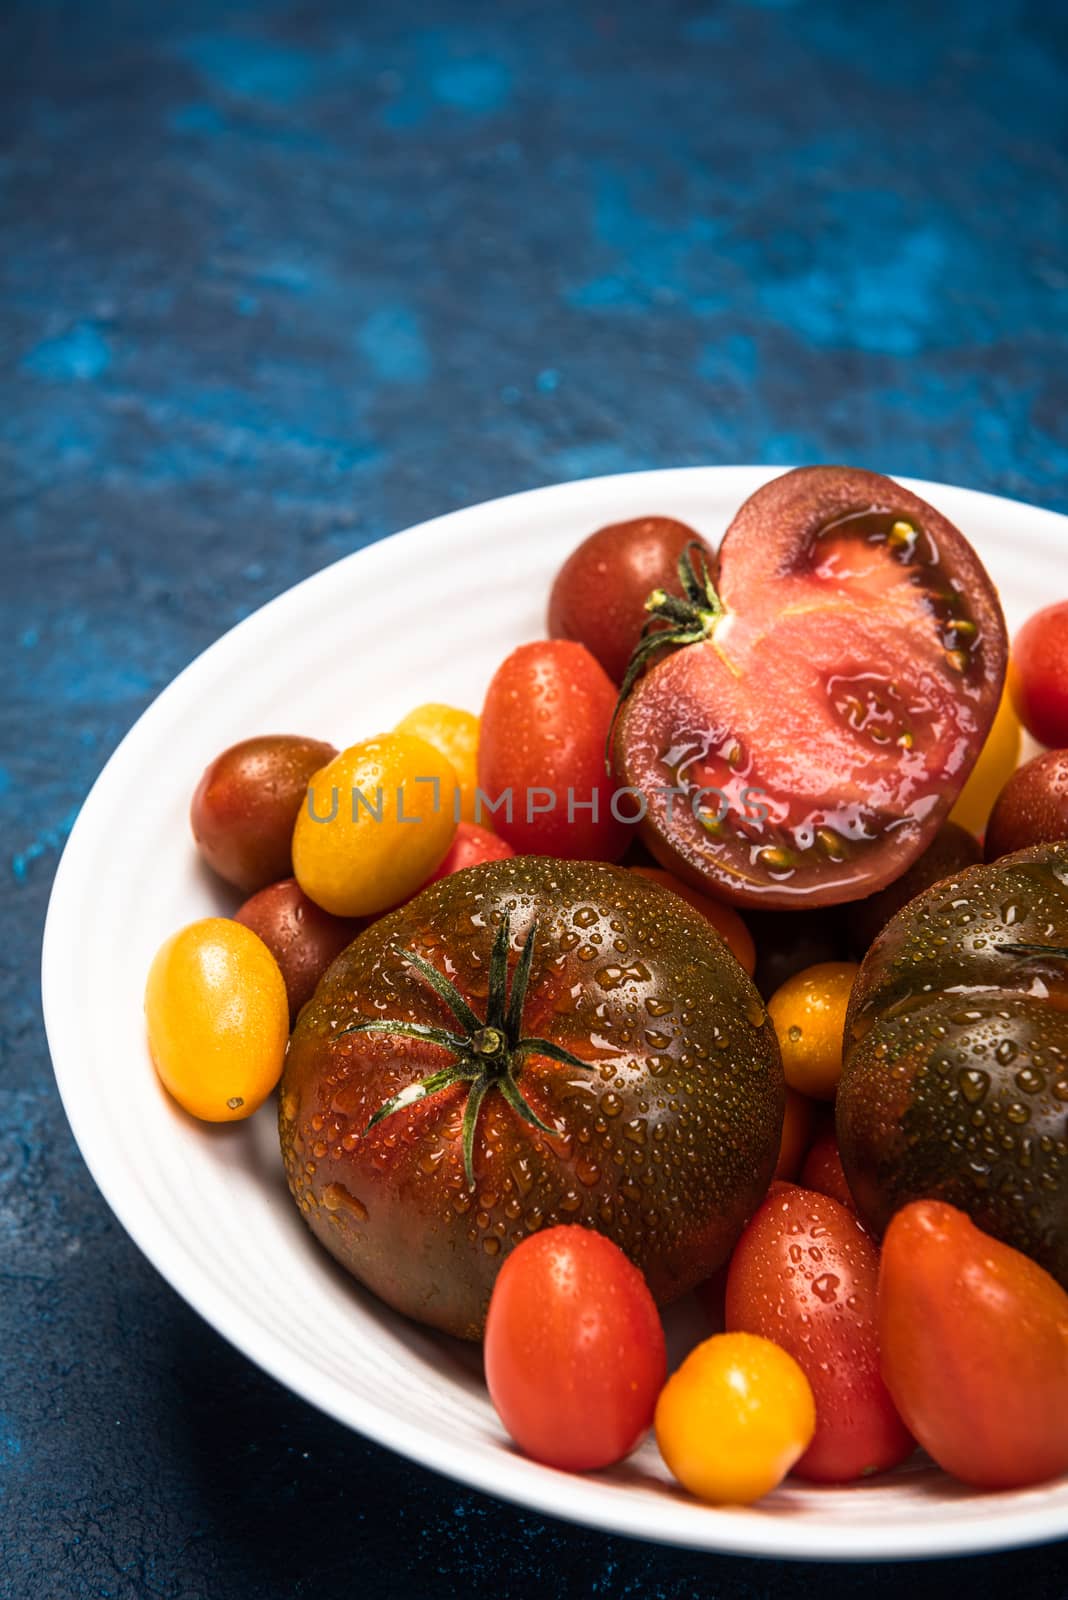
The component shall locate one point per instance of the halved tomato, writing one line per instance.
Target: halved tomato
(829, 701)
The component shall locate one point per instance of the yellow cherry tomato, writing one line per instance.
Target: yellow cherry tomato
(455, 734)
(998, 760)
(218, 1019)
(808, 1014)
(376, 822)
(734, 1418)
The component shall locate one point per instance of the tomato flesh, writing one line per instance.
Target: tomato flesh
(807, 750)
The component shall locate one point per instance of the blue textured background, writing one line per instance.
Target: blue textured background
(279, 278)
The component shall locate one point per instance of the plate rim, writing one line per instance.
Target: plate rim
(529, 1485)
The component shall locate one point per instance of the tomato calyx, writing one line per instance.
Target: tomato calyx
(691, 617)
(489, 1053)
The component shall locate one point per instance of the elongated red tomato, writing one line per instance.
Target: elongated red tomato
(827, 699)
(974, 1340)
(574, 1350)
(805, 1274)
(541, 754)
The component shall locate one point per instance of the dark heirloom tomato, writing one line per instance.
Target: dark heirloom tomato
(955, 1085)
(599, 595)
(828, 699)
(951, 850)
(611, 1065)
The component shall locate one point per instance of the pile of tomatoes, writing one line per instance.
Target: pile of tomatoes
(521, 1100)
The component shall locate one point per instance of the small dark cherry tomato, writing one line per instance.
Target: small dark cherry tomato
(471, 845)
(599, 594)
(246, 803)
(1032, 808)
(302, 937)
(974, 1340)
(574, 1350)
(541, 754)
(822, 1170)
(1040, 677)
(805, 1274)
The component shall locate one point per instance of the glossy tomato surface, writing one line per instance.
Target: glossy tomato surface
(541, 759)
(955, 1085)
(471, 846)
(598, 597)
(1040, 679)
(951, 850)
(974, 1341)
(807, 749)
(302, 937)
(574, 1350)
(1032, 808)
(664, 1134)
(805, 1274)
(246, 803)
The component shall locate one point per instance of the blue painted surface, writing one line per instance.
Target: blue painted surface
(279, 278)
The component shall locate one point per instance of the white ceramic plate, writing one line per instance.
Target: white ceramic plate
(209, 1206)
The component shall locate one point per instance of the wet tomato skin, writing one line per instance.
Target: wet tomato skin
(666, 1156)
(1032, 808)
(822, 1169)
(951, 850)
(302, 937)
(217, 1019)
(1040, 679)
(471, 846)
(805, 1274)
(974, 1341)
(958, 1019)
(835, 707)
(733, 1419)
(544, 726)
(723, 918)
(574, 1350)
(246, 803)
(598, 597)
(455, 734)
(378, 819)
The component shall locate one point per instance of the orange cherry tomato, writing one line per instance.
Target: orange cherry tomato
(734, 1418)
(217, 1015)
(377, 821)
(455, 733)
(723, 918)
(808, 1013)
(974, 1341)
